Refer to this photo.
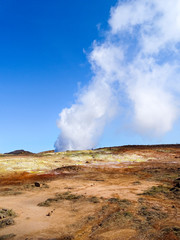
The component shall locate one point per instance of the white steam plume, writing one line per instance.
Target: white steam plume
(140, 53)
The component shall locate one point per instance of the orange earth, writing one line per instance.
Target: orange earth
(125, 193)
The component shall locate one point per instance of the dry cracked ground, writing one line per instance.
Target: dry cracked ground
(125, 193)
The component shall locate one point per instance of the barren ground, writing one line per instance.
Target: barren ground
(125, 193)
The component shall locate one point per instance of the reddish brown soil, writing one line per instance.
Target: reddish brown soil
(98, 202)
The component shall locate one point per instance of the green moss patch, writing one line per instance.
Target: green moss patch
(59, 197)
(6, 217)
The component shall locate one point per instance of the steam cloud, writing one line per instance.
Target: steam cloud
(140, 56)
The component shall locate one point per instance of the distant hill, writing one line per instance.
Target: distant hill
(124, 147)
(142, 146)
(49, 151)
(20, 152)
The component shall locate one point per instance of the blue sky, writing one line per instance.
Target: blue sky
(42, 64)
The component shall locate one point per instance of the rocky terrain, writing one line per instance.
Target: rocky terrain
(125, 193)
